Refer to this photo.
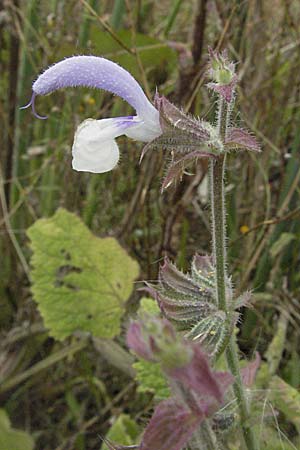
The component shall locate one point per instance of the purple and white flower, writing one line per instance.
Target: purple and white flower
(94, 148)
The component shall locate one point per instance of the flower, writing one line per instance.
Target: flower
(161, 125)
(222, 71)
(94, 148)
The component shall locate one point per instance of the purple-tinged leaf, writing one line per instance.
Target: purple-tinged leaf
(171, 116)
(203, 271)
(242, 139)
(170, 276)
(243, 300)
(248, 373)
(182, 143)
(225, 90)
(154, 339)
(183, 134)
(171, 426)
(138, 342)
(224, 379)
(198, 376)
(176, 168)
(203, 263)
(182, 311)
(168, 294)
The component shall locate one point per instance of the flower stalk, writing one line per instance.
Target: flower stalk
(217, 171)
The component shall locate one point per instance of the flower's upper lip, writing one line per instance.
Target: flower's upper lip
(94, 72)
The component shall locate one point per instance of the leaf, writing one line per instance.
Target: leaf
(123, 431)
(13, 439)
(277, 346)
(151, 379)
(286, 399)
(211, 331)
(281, 243)
(197, 375)
(238, 138)
(248, 373)
(274, 439)
(170, 427)
(79, 281)
(148, 305)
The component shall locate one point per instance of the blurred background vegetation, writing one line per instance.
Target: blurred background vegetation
(67, 394)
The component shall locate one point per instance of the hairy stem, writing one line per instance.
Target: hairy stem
(233, 364)
(204, 438)
(217, 171)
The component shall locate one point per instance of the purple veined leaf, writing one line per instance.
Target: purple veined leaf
(177, 168)
(182, 311)
(171, 426)
(238, 138)
(180, 298)
(248, 373)
(170, 276)
(182, 143)
(179, 308)
(203, 270)
(164, 293)
(172, 116)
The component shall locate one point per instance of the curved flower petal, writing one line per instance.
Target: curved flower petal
(143, 130)
(96, 72)
(94, 148)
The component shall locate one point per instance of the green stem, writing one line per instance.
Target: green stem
(204, 438)
(217, 171)
(218, 228)
(238, 388)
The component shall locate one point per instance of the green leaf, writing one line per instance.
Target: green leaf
(151, 379)
(274, 439)
(211, 331)
(277, 345)
(79, 281)
(123, 431)
(282, 242)
(150, 306)
(286, 399)
(13, 439)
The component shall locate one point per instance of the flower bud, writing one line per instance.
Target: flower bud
(222, 72)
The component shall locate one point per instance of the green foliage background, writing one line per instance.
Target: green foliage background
(63, 380)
